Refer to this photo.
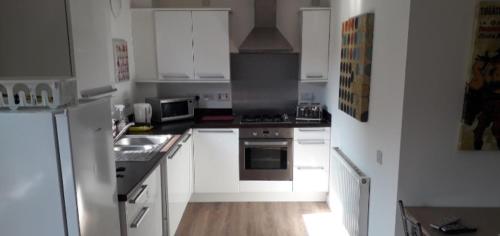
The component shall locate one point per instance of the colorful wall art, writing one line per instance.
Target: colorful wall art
(355, 66)
(120, 53)
(480, 129)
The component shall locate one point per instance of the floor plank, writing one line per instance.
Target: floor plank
(249, 218)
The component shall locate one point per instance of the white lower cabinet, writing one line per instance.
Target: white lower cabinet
(216, 160)
(142, 215)
(311, 160)
(179, 172)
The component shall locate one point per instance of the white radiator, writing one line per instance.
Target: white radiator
(349, 195)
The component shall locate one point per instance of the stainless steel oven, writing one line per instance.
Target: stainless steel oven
(266, 154)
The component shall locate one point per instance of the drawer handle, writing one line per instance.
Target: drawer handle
(140, 217)
(311, 142)
(310, 168)
(314, 76)
(211, 76)
(174, 76)
(186, 138)
(139, 194)
(172, 154)
(312, 130)
(215, 131)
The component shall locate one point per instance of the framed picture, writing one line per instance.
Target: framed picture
(120, 54)
(355, 66)
(480, 126)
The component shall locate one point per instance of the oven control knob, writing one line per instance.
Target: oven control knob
(254, 133)
(277, 134)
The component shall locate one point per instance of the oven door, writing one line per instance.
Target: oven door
(266, 159)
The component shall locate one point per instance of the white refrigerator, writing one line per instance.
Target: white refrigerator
(57, 172)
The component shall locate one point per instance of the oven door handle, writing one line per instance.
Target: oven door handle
(264, 143)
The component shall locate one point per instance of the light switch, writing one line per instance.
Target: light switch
(380, 157)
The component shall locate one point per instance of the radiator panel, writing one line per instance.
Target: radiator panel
(350, 194)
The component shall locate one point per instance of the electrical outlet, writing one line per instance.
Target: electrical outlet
(223, 97)
(380, 157)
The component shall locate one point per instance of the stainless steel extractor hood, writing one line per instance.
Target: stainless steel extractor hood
(265, 37)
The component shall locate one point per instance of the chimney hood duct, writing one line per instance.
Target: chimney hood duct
(265, 37)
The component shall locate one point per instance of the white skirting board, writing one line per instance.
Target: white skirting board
(259, 197)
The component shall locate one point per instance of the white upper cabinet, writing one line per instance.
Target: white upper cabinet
(315, 44)
(192, 45)
(211, 45)
(174, 42)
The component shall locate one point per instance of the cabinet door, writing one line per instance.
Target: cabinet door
(216, 160)
(174, 43)
(211, 45)
(177, 185)
(311, 165)
(315, 44)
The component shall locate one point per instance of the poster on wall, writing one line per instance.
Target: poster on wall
(355, 66)
(480, 129)
(120, 54)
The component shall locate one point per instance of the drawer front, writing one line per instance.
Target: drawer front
(311, 153)
(311, 133)
(310, 179)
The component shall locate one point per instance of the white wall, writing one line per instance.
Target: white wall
(93, 28)
(121, 29)
(433, 171)
(360, 141)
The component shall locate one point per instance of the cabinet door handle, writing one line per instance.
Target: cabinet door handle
(311, 142)
(315, 76)
(174, 76)
(215, 131)
(184, 140)
(172, 154)
(140, 217)
(310, 167)
(312, 130)
(139, 194)
(210, 76)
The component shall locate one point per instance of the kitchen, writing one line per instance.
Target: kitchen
(218, 115)
(246, 117)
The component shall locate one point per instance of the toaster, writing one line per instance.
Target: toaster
(309, 112)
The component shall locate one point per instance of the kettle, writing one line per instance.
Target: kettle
(143, 113)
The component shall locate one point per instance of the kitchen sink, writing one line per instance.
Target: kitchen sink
(142, 140)
(139, 147)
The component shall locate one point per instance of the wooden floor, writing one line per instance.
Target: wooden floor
(249, 219)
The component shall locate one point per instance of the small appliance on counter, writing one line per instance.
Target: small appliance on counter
(171, 109)
(143, 113)
(309, 112)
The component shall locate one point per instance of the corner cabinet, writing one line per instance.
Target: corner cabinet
(216, 160)
(315, 44)
(178, 178)
(192, 45)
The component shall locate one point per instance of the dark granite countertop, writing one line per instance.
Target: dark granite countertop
(133, 173)
(136, 172)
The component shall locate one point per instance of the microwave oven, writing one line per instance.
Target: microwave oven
(170, 109)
